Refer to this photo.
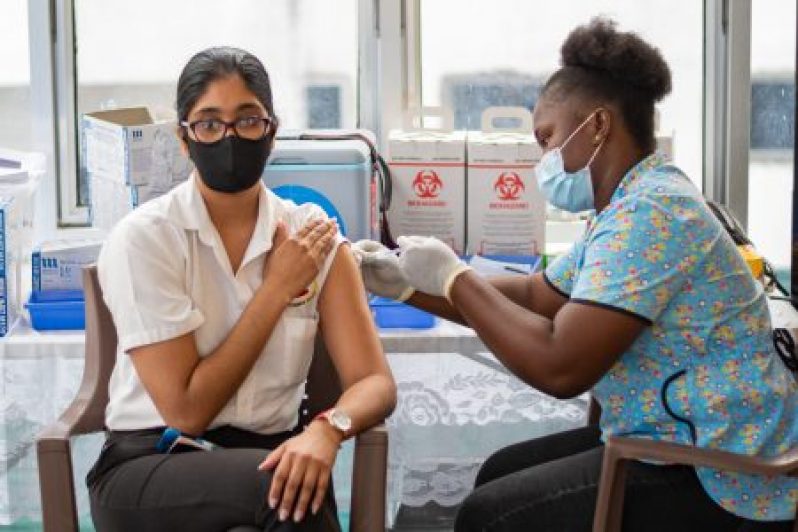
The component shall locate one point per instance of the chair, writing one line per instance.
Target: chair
(86, 414)
(619, 451)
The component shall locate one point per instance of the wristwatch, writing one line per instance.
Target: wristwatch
(338, 419)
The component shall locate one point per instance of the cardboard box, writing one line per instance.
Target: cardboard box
(506, 210)
(128, 148)
(129, 145)
(110, 201)
(58, 264)
(428, 169)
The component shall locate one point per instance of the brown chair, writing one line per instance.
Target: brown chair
(619, 451)
(86, 414)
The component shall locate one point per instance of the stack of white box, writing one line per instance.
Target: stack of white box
(20, 174)
(429, 181)
(130, 158)
(506, 210)
(477, 190)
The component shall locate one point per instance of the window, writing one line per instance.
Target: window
(468, 95)
(131, 53)
(15, 108)
(770, 172)
(772, 115)
(324, 106)
(473, 57)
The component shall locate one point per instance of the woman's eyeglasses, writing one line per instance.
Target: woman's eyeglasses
(212, 130)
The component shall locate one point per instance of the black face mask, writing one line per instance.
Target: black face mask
(232, 164)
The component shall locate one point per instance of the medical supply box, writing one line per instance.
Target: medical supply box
(58, 264)
(10, 285)
(334, 174)
(506, 210)
(130, 158)
(428, 167)
(20, 174)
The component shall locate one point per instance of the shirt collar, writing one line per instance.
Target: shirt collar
(190, 212)
(650, 162)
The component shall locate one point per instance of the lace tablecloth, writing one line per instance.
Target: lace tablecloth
(453, 412)
(39, 375)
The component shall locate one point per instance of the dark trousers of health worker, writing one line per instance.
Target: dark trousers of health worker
(540, 484)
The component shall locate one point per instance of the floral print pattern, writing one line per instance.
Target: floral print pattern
(705, 372)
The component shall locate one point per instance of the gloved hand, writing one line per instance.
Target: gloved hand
(429, 265)
(379, 267)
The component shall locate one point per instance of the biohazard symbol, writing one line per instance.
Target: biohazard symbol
(427, 184)
(509, 186)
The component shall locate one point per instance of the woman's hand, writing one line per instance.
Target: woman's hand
(429, 265)
(379, 267)
(302, 469)
(295, 261)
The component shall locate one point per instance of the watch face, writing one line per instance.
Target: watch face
(340, 420)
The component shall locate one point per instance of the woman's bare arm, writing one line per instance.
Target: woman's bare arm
(531, 292)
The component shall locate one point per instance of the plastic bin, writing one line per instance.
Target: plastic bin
(390, 314)
(57, 310)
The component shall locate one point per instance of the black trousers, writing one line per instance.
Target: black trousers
(134, 488)
(551, 484)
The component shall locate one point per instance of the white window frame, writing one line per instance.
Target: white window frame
(727, 103)
(727, 90)
(53, 99)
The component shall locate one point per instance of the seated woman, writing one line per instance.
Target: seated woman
(654, 310)
(217, 290)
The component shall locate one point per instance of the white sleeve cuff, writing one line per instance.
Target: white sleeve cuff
(447, 286)
(161, 334)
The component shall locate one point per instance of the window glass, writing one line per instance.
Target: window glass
(770, 171)
(473, 57)
(15, 97)
(131, 53)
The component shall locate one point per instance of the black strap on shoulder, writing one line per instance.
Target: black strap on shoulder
(785, 347)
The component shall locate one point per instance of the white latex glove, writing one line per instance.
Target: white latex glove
(429, 265)
(379, 267)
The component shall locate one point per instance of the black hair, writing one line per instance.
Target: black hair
(601, 63)
(216, 63)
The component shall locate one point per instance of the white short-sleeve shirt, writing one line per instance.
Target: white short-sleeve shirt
(164, 272)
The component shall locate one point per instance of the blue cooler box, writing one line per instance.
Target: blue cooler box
(390, 314)
(334, 174)
(57, 310)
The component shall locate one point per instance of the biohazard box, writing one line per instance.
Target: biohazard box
(506, 210)
(428, 170)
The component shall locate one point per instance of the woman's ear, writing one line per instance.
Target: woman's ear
(603, 123)
(181, 133)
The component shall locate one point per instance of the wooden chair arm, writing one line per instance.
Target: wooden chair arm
(619, 451)
(369, 479)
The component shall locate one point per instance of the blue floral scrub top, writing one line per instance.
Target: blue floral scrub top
(705, 372)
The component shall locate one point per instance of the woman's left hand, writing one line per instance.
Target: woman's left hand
(429, 265)
(302, 469)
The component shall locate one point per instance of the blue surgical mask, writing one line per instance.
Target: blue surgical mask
(569, 191)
